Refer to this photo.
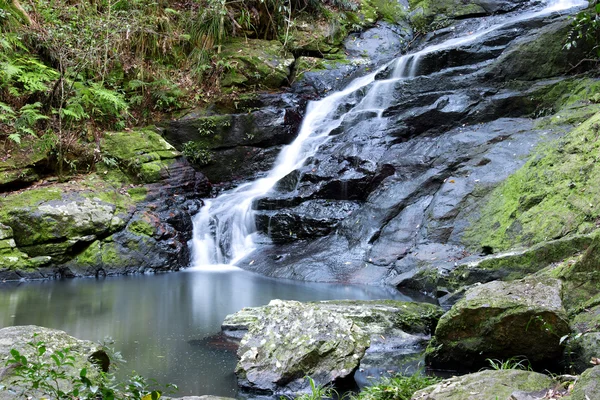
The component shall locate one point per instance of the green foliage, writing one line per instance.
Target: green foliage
(197, 153)
(317, 392)
(511, 363)
(585, 28)
(54, 374)
(398, 387)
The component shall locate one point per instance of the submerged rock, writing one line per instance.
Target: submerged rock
(500, 384)
(500, 320)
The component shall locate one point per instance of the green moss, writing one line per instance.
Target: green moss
(251, 62)
(551, 196)
(28, 198)
(137, 194)
(141, 227)
(517, 264)
(141, 154)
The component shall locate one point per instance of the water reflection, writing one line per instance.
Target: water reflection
(163, 324)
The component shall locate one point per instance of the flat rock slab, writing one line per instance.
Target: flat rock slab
(500, 384)
(500, 320)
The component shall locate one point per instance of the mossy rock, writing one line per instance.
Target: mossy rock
(581, 349)
(143, 155)
(500, 320)
(553, 195)
(582, 282)
(292, 340)
(22, 168)
(516, 264)
(587, 386)
(319, 37)
(545, 50)
(438, 13)
(500, 384)
(255, 62)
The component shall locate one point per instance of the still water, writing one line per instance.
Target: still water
(163, 324)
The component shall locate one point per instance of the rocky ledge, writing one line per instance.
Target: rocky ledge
(132, 215)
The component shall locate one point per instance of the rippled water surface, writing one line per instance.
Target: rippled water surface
(164, 324)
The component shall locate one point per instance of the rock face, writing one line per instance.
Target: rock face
(501, 384)
(500, 320)
(291, 346)
(413, 180)
(134, 216)
(298, 341)
(18, 337)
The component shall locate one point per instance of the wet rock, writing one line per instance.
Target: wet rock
(309, 220)
(545, 49)
(243, 142)
(499, 320)
(499, 384)
(297, 340)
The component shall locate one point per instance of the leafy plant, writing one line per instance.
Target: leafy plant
(398, 387)
(511, 363)
(197, 153)
(54, 374)
(317, 392)
(585, 28)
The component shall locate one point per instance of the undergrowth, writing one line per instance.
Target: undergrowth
(72, 70)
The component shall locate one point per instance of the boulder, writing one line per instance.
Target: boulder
(500, 320)
(491, 384)
(397, 330)
(294, 340)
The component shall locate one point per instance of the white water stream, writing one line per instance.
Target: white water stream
(225, 230)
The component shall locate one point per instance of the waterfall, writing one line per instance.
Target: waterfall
(225, 231)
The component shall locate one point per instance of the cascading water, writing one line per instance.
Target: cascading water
(225, 229)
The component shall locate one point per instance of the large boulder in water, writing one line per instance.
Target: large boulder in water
(293, 340)
(286, 340)
(500, 384)
(500, 320)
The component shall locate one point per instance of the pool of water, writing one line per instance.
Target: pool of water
(164, 324)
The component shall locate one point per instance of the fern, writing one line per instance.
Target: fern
(29, 116)
(15, 137)
(6, 113)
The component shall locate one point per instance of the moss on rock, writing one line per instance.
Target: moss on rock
(255, 62)
(499, 320)
(553, 195)
(498, 384)
(143, 155)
